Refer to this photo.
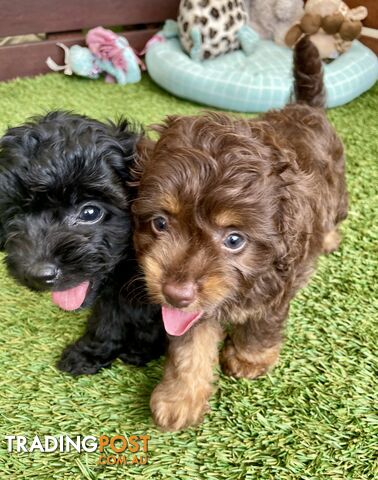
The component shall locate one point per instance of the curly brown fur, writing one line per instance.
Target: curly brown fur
(274, 187)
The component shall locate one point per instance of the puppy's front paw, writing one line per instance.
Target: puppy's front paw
(247, 365)
(176, 406)
(331, 241)
(76, 362)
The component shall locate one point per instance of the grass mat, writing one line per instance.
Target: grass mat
(311, 418)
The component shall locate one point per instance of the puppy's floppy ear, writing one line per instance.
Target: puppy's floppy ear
(126, 136)
(2, 237)
(2, 234)
(3, 197)
(145, 147)
(18, 145)
(144, 151)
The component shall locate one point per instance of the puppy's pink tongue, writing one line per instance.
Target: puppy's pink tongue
(71, 299)
(177, 322)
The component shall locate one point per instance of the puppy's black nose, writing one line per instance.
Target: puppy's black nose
(45, 273)
(180, 295)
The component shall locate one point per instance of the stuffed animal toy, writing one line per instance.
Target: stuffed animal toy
(107, 53)
(208, 28)
(331, 24)
(271, 19)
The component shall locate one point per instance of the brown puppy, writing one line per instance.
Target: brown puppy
(231, 216)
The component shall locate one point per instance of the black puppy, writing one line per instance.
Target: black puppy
(65, 227)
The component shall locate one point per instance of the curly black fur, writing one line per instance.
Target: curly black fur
(50, 168)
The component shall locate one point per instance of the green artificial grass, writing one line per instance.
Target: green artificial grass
(312, 418)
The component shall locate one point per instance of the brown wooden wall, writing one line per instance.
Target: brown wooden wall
(64, 20)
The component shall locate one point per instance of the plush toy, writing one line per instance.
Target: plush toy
(271, 19)
(331, 24)
(208, 28)
(106, 53)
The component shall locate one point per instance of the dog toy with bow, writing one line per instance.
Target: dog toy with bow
(331, 24)
(107, 53)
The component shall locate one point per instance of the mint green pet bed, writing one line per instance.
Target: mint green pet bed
(256, 82)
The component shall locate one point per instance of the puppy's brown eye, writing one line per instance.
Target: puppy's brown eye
(159, 224)
(234, 241)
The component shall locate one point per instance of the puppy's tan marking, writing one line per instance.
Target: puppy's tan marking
(181, 399)
(152, 268)
(227, 218)
(171, 204)
(214, 289)
(152, 273)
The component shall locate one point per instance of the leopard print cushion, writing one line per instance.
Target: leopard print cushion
(218, 22)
